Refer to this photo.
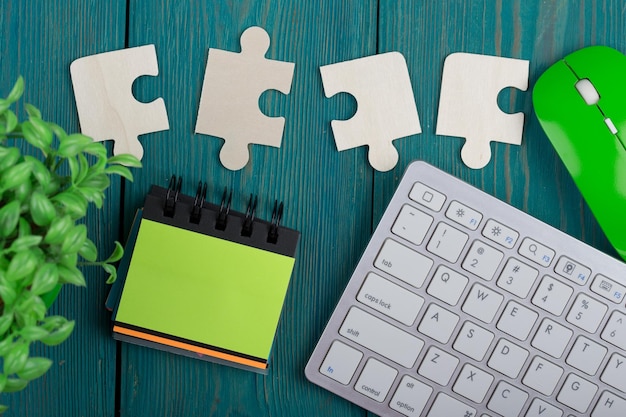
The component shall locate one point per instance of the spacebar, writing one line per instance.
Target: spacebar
(381, 337)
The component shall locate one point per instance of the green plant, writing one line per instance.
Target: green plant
(43, 200)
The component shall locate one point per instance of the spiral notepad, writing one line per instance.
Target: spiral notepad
(204, 280)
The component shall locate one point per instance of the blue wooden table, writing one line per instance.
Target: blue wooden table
(335, 199)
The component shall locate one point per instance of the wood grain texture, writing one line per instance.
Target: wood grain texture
(327, 195)
(333, 198)
(39, 39)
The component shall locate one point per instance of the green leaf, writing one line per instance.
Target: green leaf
(125, 159)
(120, 170)
(89, 251)
(6, 344)
(58, 228)
(34, 368)
(60, 334)
(17, 90)
(71, 275)
(8, 157)
(33, 333)
(15, 360)
(7, 293)
(15, 175)
(71, 145)
(93, 195)
(117, 254)
(45, 279)
(74, 169)
(22, 191)
(41, 209)
(11, 121)
(32, 111)
(15, 384)
(37, 134)
(52, 323)
(22, 265)
(24, 242)
(110, 269)
(39, 170)
(99, 181)
(74, 239)
(24, 228)
(3, 382)
(5, 323)
(3, 408)
(74, 203)
(49, 297)
(9, 216)
(97, 149)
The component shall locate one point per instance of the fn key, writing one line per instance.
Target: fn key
(340, 363)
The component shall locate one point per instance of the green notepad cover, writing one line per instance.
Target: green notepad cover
(205, 289)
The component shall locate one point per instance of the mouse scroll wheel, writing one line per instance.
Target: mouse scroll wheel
(587, 91)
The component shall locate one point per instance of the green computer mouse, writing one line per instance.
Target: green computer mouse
(580, 102)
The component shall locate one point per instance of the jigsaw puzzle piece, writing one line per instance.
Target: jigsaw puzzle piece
(385, 105)
(105, 103)
(468, 106)
(229, 103)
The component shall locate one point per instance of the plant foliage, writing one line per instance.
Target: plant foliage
(43, 200)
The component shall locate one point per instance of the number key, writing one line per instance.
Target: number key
(615, 330)
(482, 260)
(586, 313)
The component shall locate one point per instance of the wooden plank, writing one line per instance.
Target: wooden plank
(39, 40)
(327, 194)
(531, 176)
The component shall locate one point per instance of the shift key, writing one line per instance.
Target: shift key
(381, 337)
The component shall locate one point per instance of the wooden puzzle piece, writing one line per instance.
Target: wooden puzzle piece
(468, 106)
(104, 99)
(229, 104)
(385, 105)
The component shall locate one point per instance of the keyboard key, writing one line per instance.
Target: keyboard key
(482, 303)
(577, 393)
(615, 372)
(586, 355)
(412, 224)
(540, 408)
(403, 263)
(438, 366)
(482, 260)
(609, 405)
(375, 380)
(381, 337)
(517, 320)
(427, 197)
(542, 376)
(572, 270)
(340, 362)
(552, 338)
(508, 358)
(608, 289)
(536, 252)
(507, 400)
(472, 383)
(517, 278)
(446, 406)
(473, 340)
(390, 299)
(463, 215)
(410, 397)
(447, 242)
(552, 295)
(586, 313)
(438, 323)
(501, 234)
(615, 330)
(447, 285)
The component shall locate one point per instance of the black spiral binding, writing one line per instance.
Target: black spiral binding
(198, 203)
(248, 222)
(173, 190)
(277, 215)
(222, 215)
(196, 206)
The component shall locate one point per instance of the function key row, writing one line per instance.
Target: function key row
(413, 224)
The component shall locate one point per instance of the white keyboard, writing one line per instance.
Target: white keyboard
(463, 306)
